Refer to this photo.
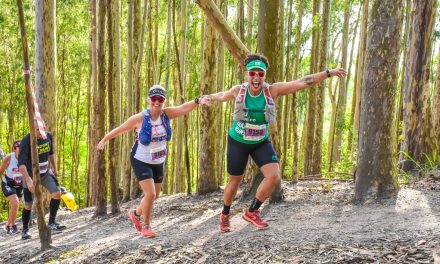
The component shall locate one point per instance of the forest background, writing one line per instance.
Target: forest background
(100, 57)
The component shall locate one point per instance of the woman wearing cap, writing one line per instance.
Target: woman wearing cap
(12, 186)
(254, 111)
(150, 149)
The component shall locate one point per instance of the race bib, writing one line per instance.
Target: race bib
(17, 176)
(44, 166)
(158, 153)
(254, 132)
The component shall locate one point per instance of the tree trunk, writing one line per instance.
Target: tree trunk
(99, 115)
(359, 79)
(45, 56)
(298, 35)
(111, 111)
(207, 181)
(309, 129)
(376, 175)
(268, 44)
(317, 142)
(129, 108)
(417, 114)
(342, 95)
(436, 109)
(43, 230)
(117, 98)
(93, 84)
(217, 20)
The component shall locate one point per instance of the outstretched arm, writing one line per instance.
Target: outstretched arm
(285, 88)
(126, 126)
(183, 109)
(224, 96)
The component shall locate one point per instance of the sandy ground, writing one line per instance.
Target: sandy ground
(317, 223)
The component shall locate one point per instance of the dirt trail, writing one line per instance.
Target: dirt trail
(315, 224)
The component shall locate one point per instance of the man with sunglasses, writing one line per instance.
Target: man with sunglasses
(12, 187)
(149, 151)
(249, 135)
(48, 178)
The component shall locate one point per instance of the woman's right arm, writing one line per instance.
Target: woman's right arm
(5, 164)
(128, 125)
(225, 96)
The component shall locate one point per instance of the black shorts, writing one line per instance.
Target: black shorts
(145, 171)
(9, 189)
(238, 153)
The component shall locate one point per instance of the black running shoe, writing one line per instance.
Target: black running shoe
(25, 234)
(56, 227)
(14, 230)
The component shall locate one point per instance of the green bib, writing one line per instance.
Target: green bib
(256, 130)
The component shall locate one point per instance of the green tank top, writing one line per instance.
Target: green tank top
(256, 130)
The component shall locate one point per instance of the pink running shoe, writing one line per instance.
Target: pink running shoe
(254, 218)
(135, 219)
(147, 232)
(224, 223)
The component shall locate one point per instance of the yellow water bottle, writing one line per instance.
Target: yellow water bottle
(68, 199)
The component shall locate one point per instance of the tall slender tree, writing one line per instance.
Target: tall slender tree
(99, 114)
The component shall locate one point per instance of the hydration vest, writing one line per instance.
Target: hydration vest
(145, 132)
(240, 107)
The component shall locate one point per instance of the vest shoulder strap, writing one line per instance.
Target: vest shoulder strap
(267, 95)
(242, 93)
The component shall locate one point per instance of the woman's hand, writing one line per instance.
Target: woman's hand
(101, 144)
(205, 100)
(340, 72)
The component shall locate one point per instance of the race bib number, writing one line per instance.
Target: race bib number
(44, 166)
(17, 176)
(254, 132)
(158, 153)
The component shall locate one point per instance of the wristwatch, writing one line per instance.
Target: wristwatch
(197, 100)
(328, 73)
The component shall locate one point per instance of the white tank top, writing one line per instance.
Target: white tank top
(12, 171)
(156, 151)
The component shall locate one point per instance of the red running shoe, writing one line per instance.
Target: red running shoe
(147, 232)
(254, 218)
(135, 219)
(224, 223)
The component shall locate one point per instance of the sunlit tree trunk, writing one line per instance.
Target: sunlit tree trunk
(376, 174)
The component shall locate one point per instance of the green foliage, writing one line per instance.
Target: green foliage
(422, 169)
